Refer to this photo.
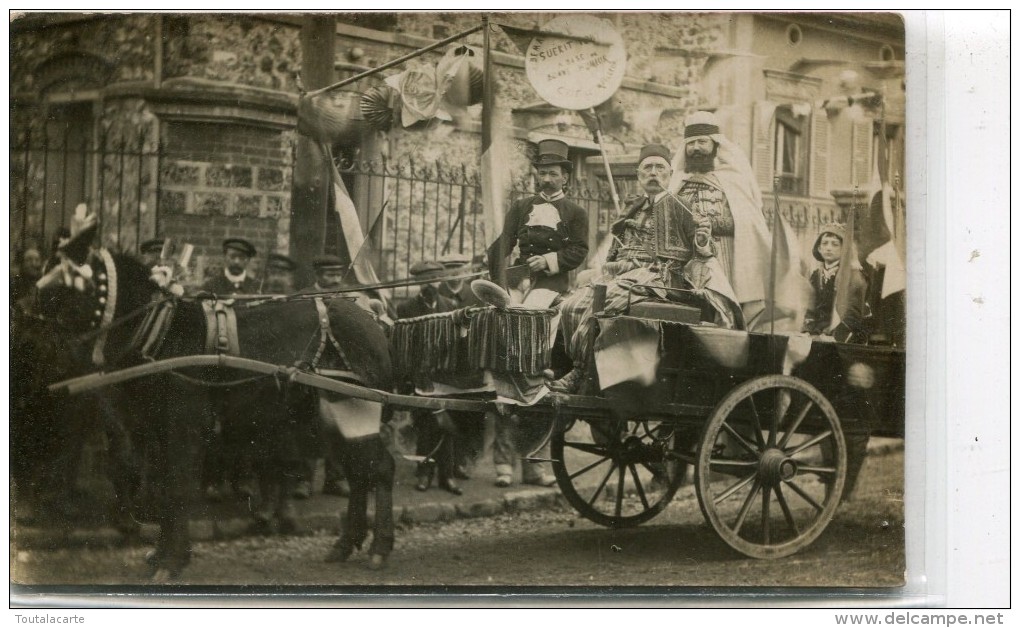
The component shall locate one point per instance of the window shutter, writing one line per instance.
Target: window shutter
(818, 164)
(761, 143)
(860, 174)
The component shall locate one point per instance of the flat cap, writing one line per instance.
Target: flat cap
(239, 244)
(455, 260)
(279, 261)
(154, 245)
(329, 262)
(426, 269)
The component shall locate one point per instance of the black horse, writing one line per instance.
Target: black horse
(112, 320)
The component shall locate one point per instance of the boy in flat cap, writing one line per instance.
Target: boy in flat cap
(234, 279)
(550, 231)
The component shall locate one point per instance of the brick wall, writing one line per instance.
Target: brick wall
(225, 180)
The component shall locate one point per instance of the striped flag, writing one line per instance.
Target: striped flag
(788, 287)
(496, 176)
(358, 248)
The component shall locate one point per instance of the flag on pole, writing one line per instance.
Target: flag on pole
(873, 235)
(788, 288)
(496, 177)
(358, 248)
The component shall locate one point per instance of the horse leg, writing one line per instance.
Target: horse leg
(383, 470)
(354, 525)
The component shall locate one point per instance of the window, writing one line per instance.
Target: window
(789, 156)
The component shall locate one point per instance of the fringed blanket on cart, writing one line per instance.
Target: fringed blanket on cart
(503, 352)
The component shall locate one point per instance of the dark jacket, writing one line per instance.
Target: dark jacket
(569, 241)
(853, 326)
(220, 285)
(418, 307)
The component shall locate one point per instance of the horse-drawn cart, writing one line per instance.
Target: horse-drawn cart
(774, 426)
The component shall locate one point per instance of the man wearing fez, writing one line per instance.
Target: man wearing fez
(652, 245)
(550, 232)
(430, 426)
(234, 279)
(712, 176)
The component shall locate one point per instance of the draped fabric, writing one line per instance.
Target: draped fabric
(511, 341)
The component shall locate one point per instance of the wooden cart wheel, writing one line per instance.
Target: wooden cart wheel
(617, 473)
(771, 466)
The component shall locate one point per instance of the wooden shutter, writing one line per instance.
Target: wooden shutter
(762, 141)
(818, 157)
(860, 166)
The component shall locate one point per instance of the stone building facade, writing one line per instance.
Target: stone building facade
(195, 115)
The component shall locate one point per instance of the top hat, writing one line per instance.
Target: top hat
(427, 270)
(279, 261)
(328, 262)
(832, 228)
(239, 244)
(552, 153)
(654, 150)
(154, 245)
(700, 124)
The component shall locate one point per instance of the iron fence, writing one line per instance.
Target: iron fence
(51, 175)
(411, 210)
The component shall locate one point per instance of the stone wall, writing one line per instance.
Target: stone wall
(225, 180)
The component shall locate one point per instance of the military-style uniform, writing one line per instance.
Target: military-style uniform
(552, 227)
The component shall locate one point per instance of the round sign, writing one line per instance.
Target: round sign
(576, 73)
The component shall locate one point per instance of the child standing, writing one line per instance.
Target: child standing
(850, 326)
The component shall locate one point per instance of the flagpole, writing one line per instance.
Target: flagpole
(605, 160)
(399, 60)
(497, 274)
(774, 262)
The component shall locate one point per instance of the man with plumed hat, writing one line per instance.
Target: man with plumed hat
(652, 246)
(550, 232)
(235, 279)
(430, 426)
(713, 176)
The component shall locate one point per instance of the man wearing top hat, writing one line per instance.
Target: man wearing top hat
(550, 232)
(652, 245)
(234, 279)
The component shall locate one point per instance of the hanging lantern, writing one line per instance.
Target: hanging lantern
(331, 117)
(377, 107)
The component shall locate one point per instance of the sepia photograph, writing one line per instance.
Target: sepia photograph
(458, 303)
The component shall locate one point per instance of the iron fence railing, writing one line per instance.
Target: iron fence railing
(410, 210)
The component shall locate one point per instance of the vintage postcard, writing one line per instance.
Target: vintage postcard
(458, 302)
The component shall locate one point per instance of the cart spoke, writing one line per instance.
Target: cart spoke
(786, 510)
(736, 487)
(640, 488)
(602, 484)
(732, 467)
(757, 422)
(598, 450)
(782, 404)
(740, 439)
(746, 507)
(619, 490)
(587, 468)
(810, 443)
(819, 471)
(790, 431)
(805, 496)
(766, 498)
